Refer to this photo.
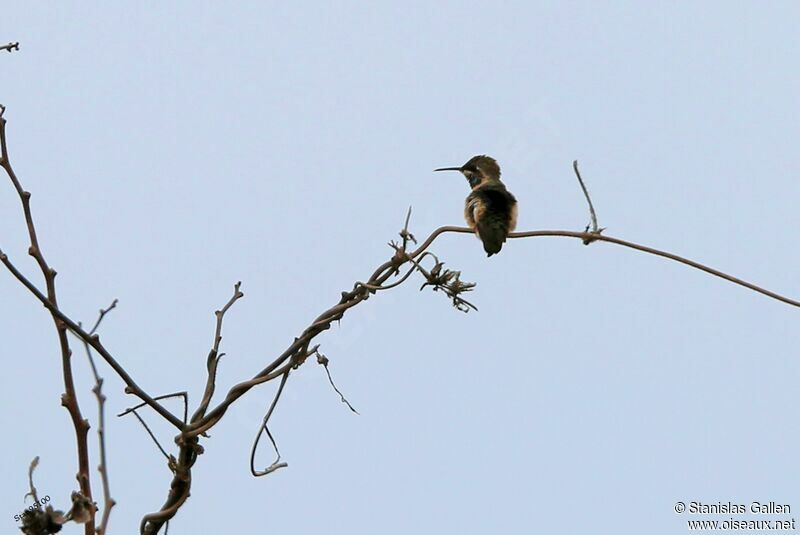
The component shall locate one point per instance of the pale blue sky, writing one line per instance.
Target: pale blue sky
(173, 150)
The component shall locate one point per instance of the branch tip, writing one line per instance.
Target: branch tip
(592, 214)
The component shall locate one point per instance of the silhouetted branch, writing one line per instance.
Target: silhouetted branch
(166, 455)
(594, 229)
(405, 234)
(108, 501)
(94, 342)
(69, 399)
(10, 46)
(264, 428)
(31, 468)
(388, 275)
(645, 249)
(214, 355)
(182, 395)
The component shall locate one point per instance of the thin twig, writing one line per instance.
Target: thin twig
(592, 214)
(10, 46)
(214, 355)
(152, 436)
(390, 286)
(265, 428)
(323, 360)
(108, 501)
(585, 235)
(94, 341)
(62, 323)
(102, 314)
(182, 395)
(33, 494)
(664, 254)
(405, 234)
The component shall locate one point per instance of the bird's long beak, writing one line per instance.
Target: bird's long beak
(448, 169)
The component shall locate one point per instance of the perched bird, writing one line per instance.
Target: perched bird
(490, 209)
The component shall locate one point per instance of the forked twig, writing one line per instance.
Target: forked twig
(108, 501)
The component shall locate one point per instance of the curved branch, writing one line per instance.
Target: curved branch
(264, 428)
(593, 236)
(385, 271)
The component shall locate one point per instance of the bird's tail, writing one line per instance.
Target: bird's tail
(493, 233)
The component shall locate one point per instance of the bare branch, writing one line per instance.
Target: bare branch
(389, 286)
(276, 464)
(69, 399)
(94, 341)
(645, 249)
(180, 487)
(102, 314)
(166, 455)
(293, 356)
(10, 46)
(108, 501)
(405, 234)
(33, 494)
(214, 355)
(178, 494)
(182, 395)
(594, 228)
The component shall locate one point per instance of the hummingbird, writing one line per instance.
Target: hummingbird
(490, 209)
